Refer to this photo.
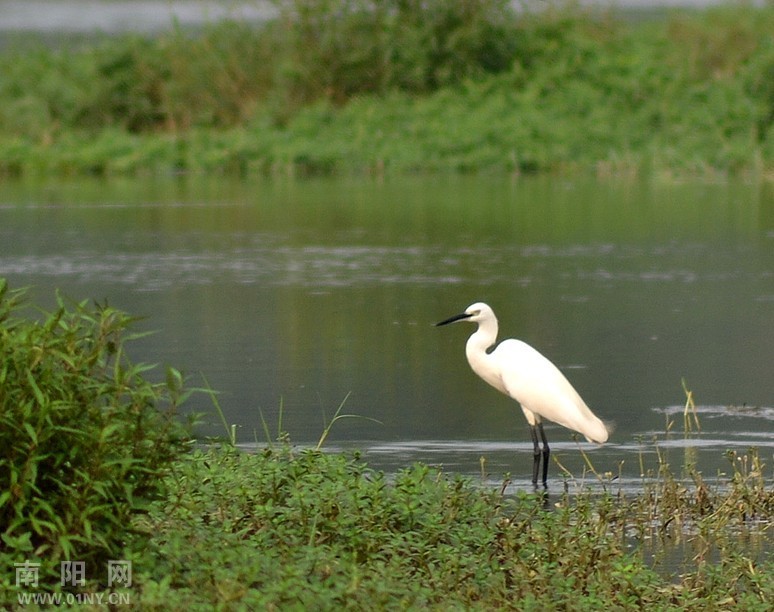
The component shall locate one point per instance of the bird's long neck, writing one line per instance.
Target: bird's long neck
(485, 336)
(476, 348)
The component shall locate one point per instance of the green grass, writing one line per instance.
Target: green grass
(403, 87)
(285, 528)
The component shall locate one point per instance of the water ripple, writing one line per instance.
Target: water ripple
(298, 266)
(320, 266)
(743, 411)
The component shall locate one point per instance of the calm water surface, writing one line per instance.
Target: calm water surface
(297, 293)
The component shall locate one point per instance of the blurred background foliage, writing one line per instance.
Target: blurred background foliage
(524, 89)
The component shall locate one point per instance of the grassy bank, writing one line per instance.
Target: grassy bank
(302, 529)
(96, 467)
(290, 529)
(403, 87)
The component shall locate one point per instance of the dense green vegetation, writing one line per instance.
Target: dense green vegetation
(85, 437)
(402, 85)
(94, 467)
(288, 529)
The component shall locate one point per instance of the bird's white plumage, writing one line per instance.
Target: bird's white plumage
(521, 372)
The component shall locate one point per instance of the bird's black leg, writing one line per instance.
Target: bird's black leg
(546, 453)
(536, 455)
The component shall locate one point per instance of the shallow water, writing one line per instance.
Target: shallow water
(295, 294)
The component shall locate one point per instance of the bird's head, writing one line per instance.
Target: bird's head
(475, 313)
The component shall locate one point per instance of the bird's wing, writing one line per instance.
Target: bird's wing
(540, 387)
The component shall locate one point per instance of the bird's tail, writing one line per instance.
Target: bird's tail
(599, 432)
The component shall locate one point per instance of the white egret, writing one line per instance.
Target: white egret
(521, 372)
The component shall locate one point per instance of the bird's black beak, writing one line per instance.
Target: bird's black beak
(458, 317)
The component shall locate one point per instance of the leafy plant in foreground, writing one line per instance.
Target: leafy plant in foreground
(85, 438)
(304, 529)
(300, 529)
